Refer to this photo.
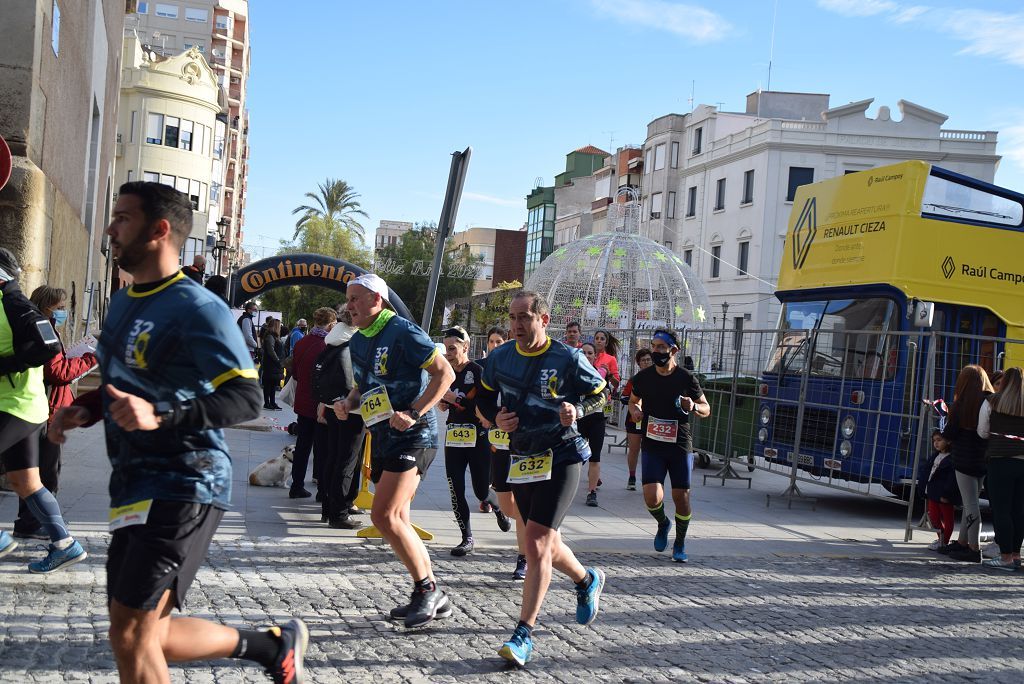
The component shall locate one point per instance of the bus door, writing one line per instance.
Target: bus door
(953, 353)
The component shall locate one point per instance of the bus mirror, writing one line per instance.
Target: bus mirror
(923, 314)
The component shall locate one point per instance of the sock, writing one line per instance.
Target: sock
(47, 511)
(658, 512)
(632, 474)
(682, 523)
(526, 627)
(585, 582)
(426, 584)
(259, 647)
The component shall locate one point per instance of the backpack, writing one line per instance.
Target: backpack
(34, 339)
(330, 382)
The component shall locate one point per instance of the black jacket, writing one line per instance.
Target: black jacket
(942, 485)
(968, 447)
(271, 368)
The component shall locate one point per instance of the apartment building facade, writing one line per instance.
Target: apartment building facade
(168, 130)
(718, 187)
(219, 30)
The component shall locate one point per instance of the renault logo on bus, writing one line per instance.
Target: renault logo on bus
(804, 231)
(948, 267)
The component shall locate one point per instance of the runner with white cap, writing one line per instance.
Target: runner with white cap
(400, 377)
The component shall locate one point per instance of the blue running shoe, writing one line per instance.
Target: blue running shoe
(7, 544)
(661, 538)
(58, 558)
(588, 600)
(518, 649)
(679, 553)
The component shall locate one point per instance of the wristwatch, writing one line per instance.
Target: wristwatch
(414, 413)
(164, 410)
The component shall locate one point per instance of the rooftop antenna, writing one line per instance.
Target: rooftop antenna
(693, 87)
(611, 141)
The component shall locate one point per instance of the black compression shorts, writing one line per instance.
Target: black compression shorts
(547, 502)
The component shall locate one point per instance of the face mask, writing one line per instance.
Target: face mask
(660, 359)
(60, 317)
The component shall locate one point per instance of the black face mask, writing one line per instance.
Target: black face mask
(660, 359)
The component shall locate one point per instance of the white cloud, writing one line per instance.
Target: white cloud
(987, 34)
(490, 199)
(689, 21)
(858, 8)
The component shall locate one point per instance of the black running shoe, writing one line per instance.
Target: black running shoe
(443, 610)
(504, 522)
(463, 549)
(287, 667)
(520, 571)
(631, 484)
(424, 606)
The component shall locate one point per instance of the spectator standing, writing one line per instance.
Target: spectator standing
(937, 484)
(1001, 421)
(572, 334)
(197, 269)
(972, 388)
(218, 285)
(247, 322)
(272, 370)
(311, 435)
(58, 374)
(608, 357)
(297, 333)
(343, 460)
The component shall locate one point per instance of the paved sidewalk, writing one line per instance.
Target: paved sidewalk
(771, 593)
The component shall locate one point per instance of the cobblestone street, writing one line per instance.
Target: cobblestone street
(729, 619)
(770, 593)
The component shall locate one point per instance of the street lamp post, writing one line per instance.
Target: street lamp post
(221, 245)
(721, 344)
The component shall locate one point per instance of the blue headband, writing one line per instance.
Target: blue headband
(667, 338)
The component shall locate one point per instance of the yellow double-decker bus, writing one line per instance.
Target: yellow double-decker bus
(871, 260)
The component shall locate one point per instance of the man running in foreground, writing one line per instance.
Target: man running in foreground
(396, 397)
(545, 386)
(669, 394)
(175, 370)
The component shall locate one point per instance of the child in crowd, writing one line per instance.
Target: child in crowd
(939, 488)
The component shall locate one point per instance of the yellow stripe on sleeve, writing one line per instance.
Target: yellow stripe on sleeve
(604, 383)
(430, 359)
(234, 373)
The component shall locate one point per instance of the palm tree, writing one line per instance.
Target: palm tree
(336, 201)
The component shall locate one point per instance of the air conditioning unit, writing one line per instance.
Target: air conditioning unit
(655, 214)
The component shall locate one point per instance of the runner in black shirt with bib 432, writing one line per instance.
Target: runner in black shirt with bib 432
(664, 396)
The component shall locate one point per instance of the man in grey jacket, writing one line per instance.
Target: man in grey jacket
(247, 322)
(344, 452)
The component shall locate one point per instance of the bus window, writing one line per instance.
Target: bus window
(947, 198)
(850, 340)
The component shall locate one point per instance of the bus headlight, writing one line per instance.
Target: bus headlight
(845, 448)
(848, 427)
(766, 415)
(762, 435)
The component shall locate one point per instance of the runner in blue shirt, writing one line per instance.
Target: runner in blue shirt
(400, 377)
(175, 371)
(544, 386)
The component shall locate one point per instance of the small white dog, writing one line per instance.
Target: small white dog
(275, 472)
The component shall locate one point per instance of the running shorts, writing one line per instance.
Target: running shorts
(676, 463)
(163, 553)
(19, 442)
(546, 502)
(401, 461)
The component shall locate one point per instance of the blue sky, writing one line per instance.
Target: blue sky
(380, 93)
